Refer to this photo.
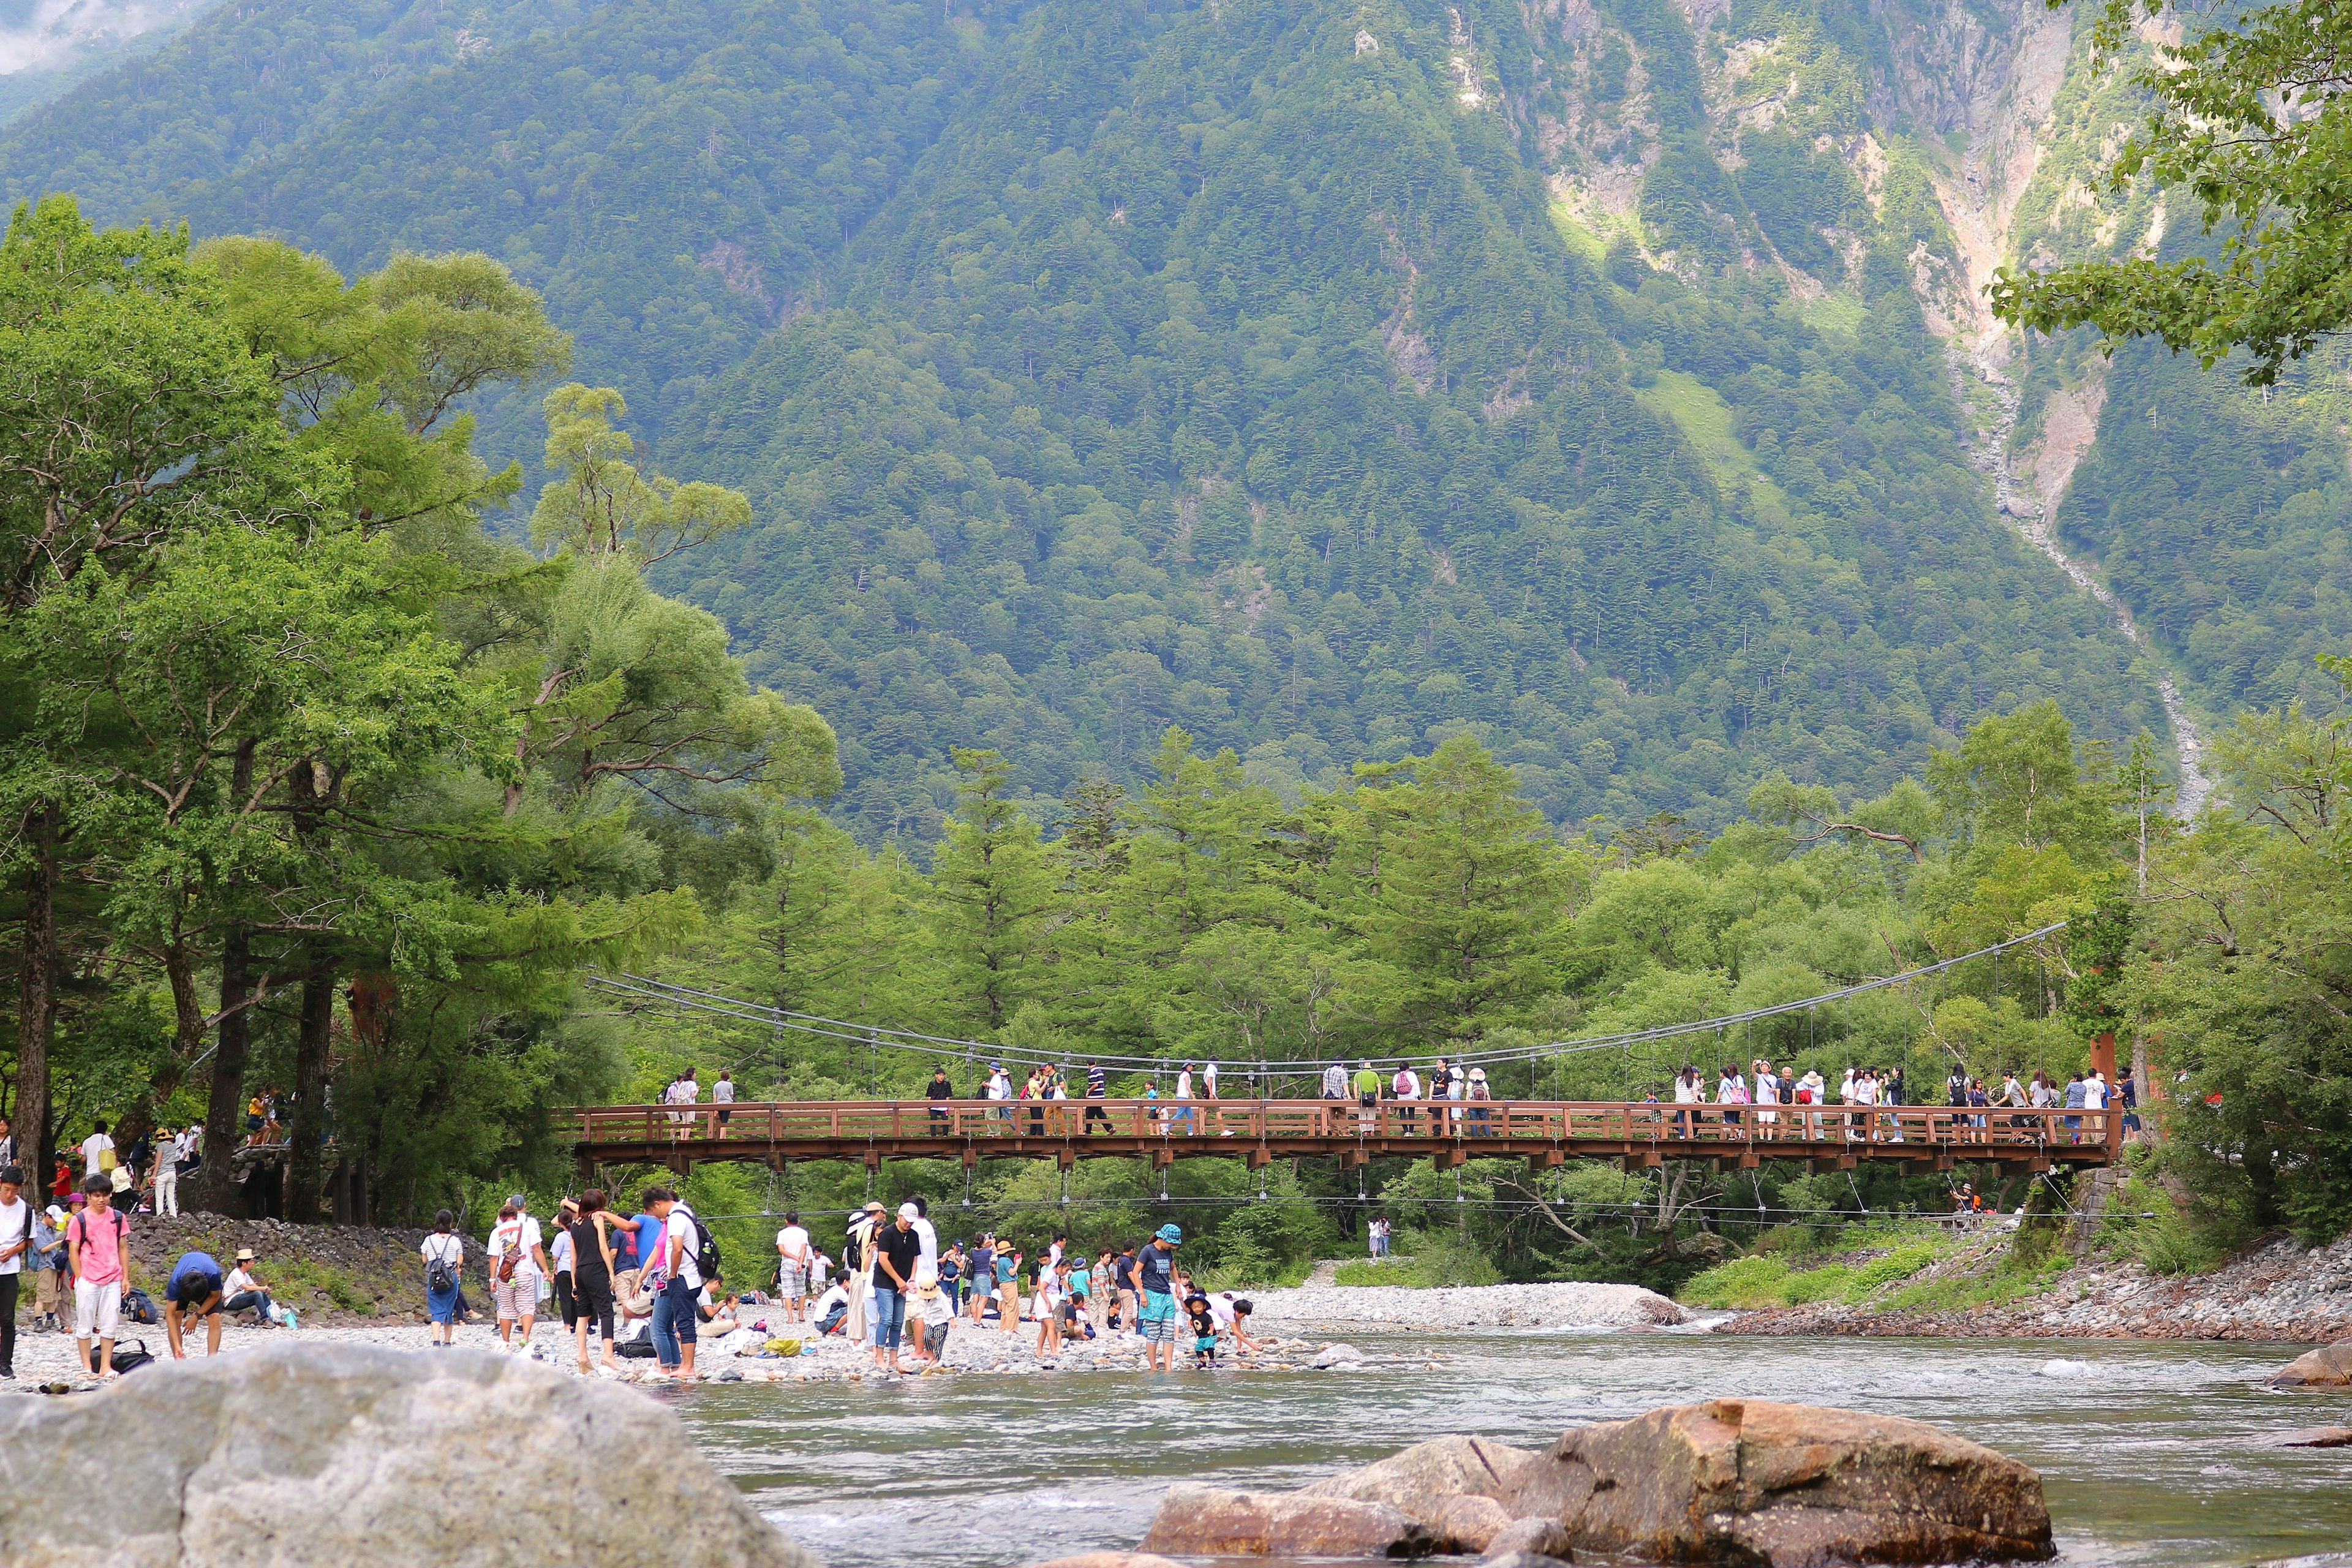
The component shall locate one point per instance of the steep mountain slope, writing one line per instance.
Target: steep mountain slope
(1325, 378)
(1224, 367)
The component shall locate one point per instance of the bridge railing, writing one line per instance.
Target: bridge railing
(1484, 1122)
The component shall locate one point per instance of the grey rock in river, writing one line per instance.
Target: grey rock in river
(346, 1454)
(1795, 1486)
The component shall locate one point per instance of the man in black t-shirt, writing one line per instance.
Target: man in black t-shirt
(896, 1249)
(939, 1090)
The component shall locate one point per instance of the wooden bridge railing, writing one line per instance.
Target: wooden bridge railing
(808, 1129)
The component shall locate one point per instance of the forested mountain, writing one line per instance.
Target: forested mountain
(1610, 380)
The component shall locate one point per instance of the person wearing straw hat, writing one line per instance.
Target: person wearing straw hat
(245, 1292)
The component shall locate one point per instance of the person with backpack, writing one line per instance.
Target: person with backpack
(514, 1249)
(444, 1263)
(193, 1291)
(681, 1279)
(95, 1243)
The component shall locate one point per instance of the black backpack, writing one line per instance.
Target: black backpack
(705, 1248)
(438, 1276)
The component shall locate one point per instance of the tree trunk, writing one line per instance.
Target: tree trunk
(232, 1043)
(36, 1000)
(223, 1111)
(311, 1048)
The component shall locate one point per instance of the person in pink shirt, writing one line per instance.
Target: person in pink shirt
(95, 1240)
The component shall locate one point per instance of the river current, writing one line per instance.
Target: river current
(2152, 1454)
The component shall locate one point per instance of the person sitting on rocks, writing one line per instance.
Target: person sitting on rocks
(194, 1290)
(246, 1293)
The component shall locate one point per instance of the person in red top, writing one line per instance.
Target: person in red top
(96, 1240)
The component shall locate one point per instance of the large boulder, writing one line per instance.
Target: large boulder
(306, 1454)
(2329, 1366)
(1788, 1486)
(1453, 1485)
(1209, 1521)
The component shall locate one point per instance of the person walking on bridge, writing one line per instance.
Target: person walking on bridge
(1097, 1086)
(1335, 1081)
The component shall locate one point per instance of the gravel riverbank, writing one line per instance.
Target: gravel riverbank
(1328, 1308)
(2280, 1292)
(49, 1359)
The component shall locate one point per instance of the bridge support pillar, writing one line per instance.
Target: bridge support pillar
(1162, 1158)
(970, 1155)
(1647, 1160)
(873, 1161)
(1351, 1158)
(1749, 1160)
(1546, 1160)
(1260, 1158)
(1446, 1159)
(1066, 1156)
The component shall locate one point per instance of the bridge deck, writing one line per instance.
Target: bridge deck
(1925, 1137)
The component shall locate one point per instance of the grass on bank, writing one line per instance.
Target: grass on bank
(1437, 1258)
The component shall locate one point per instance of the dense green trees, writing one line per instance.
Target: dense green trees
(285, 731)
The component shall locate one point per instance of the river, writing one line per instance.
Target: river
(2149, 1451)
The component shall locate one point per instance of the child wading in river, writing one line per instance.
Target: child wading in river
(1204, 1330)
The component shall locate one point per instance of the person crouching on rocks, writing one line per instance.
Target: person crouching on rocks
(194, 1291)
(1154, 1278)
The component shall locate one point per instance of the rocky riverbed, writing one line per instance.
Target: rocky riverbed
(2282, 1292)
(1320, 1308)
(47, 1360)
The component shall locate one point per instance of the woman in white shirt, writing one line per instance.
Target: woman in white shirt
(1767, 1094)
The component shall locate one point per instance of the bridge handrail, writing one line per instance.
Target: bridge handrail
(1631, 1123)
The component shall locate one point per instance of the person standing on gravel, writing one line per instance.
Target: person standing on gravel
(592, 1276)
(792, 1267)
(15, 1246)
(674, 1325)
(445, 1261)
(897, 1248)
(1153, 1278)
(517, 1260)
(95, 1243)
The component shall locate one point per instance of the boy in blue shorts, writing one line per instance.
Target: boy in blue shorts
(1153, 1276)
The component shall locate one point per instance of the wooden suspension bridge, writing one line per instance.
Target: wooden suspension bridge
(1545, 1133)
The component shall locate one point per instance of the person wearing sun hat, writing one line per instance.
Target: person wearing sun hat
(1154, 1279)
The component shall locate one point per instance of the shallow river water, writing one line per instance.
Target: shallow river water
(2151, 1453)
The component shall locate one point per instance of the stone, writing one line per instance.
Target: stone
(1211, 1521)
(1536, 1541)
(341, 1453)
(1466, 1523)
(2315, 1437)
(1450, 1484)
(1332, 1355)
(2329, 1366)
(1110, 1559)
(1524, 1560)
(1754, 1483)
